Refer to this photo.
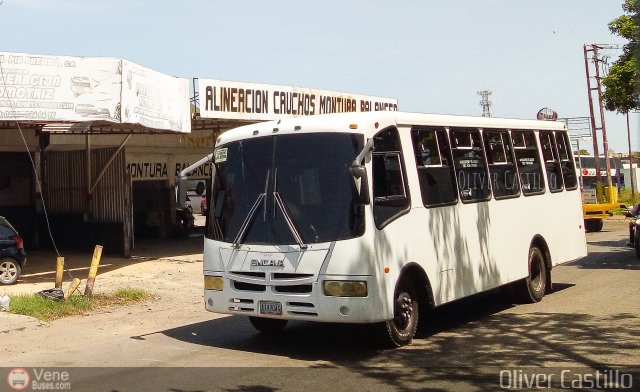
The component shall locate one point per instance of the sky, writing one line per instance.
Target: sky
(433, 56)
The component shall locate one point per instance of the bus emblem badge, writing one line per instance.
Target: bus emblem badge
(267, 263)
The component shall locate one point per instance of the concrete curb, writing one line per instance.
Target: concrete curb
(10, 322)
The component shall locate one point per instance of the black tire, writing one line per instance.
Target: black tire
(593, 225)
(532, 288)
(9, 271)
(400, 330)
(637, 246)
(267, 325)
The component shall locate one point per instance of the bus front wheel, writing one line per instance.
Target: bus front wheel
(400, 330)
(533, 287)
(267, 325)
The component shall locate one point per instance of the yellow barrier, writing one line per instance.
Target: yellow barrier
(611, 194)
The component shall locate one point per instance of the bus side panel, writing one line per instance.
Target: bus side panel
(413, 238)
(556, 217)
(566, 238)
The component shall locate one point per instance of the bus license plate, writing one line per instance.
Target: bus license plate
(268, 307)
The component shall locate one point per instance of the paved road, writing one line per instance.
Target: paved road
(591, 320)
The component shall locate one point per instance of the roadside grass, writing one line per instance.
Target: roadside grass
(625, 197)
(130, 294)
(619, 211)
(47, 310)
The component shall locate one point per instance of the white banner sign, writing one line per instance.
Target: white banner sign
(66, 89)
(250, 101)
(59, 88)
(153, 99)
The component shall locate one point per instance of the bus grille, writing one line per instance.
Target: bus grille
(280, 282)
(294, 289)
(243, 286)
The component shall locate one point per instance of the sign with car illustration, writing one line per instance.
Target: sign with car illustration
(70, 89)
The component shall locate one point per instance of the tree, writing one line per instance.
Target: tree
(622, 84)
(581, 152)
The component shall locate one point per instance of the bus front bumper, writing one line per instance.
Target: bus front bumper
(313, 306)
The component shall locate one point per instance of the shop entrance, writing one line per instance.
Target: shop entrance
(151, 203)
(16, 193)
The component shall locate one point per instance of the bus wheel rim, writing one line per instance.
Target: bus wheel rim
(403, 311)
(536, 273)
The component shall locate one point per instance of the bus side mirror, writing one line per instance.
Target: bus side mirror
(359, 185)
(181, 192)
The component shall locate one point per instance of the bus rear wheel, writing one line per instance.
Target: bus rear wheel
(532, 288)
(267, 325)
(400, 330)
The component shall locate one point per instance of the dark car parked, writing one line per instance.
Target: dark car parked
(12, 254)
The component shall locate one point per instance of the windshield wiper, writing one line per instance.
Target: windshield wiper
(285, 213)
(290, 223)
(252, 212)
(247, 222)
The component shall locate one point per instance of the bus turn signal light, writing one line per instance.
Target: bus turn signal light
(213, 283)
(345, 288)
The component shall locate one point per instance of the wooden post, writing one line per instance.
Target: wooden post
(72, 288)
(59, 271)
(93, 271)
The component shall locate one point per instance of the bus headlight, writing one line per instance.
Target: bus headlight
(345, 288)
(213, 282)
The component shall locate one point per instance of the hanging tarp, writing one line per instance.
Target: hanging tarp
(153, 99)
(46, 89)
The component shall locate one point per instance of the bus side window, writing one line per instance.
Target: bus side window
(551, 161)
(470, 166)
(391, 195)
(568, 164)
(528, 161)
(502, 167)
(435, 171)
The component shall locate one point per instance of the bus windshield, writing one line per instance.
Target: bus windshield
(286, 189)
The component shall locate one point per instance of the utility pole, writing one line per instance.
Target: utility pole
(485, 103)
(631, 170)
(593, 49)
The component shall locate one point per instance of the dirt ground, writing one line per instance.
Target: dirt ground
(164, 267)
(171, 270)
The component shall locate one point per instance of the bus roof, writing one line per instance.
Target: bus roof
(364, 123)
